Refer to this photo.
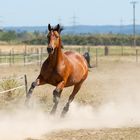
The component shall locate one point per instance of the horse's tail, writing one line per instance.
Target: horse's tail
(87, 57)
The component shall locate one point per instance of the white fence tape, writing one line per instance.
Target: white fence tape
(12, 89)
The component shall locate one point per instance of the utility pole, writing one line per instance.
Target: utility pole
(0, 23)
(74, 22)
(134, 22)
(121, 26)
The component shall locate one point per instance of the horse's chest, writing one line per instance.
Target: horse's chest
(52, 75)
(54, 78)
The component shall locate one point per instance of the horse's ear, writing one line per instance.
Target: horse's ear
(49, 27)
(57, 28)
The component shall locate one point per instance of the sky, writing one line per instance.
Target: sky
(87, 12)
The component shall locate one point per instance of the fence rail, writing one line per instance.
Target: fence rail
(38, 55)
(18, 87)
(12, 89)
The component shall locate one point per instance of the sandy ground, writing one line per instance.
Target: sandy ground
(106, 108)
(94, 134)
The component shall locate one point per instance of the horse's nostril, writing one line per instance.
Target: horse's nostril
(50, 49)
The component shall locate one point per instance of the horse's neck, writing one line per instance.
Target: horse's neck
(56, 57)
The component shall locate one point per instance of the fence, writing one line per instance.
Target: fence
(38, 55)
(35, 55)
(8, 89)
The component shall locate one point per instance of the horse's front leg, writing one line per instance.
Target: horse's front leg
(56, 96)
(37, 82)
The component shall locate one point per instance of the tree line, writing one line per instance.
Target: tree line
(37, 38)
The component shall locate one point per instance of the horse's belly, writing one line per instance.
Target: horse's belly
(78, 74)
(75, 79)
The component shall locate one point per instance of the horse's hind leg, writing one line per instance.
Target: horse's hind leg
(37, 82)
(71, 97)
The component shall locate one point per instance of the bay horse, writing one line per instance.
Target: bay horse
(60, 69)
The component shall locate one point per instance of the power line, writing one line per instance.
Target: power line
(121, 25)
(134, 22)
(74, 22)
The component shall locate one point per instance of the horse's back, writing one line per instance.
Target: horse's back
(79, 66)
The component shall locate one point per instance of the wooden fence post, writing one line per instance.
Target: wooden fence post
(25, 49)
(24, 55)
(6, 61)
(136, 55)
(10, 57)
(96, 57)
(41, 57)
(122, 50)
(106, 51)
(13, 56)
(79, 50)
(88, 49)
(0, 56)
(26, 85)
(38, 56)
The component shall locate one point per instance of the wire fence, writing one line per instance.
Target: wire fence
(10, 84)
(38, 55)
(23, 58)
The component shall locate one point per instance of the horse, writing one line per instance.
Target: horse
(60, 69)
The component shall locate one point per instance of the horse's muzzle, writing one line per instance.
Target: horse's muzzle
(50, 50)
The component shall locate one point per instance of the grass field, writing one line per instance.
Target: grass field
(106, 107)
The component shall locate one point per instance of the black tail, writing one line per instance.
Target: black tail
(87, 57)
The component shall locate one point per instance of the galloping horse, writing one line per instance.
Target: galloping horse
(60, 70)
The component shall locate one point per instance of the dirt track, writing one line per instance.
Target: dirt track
(95, 134)
(112, 90)
(118, 83)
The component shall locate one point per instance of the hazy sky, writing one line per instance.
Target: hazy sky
(88, 12)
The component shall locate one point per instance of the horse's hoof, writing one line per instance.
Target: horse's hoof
(62, 115)
(26, 103)
(52, 112)
(65, 110)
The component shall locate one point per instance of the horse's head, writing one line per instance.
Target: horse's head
(54, 40)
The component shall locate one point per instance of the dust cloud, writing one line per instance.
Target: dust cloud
(23, 123)
(121, 109)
